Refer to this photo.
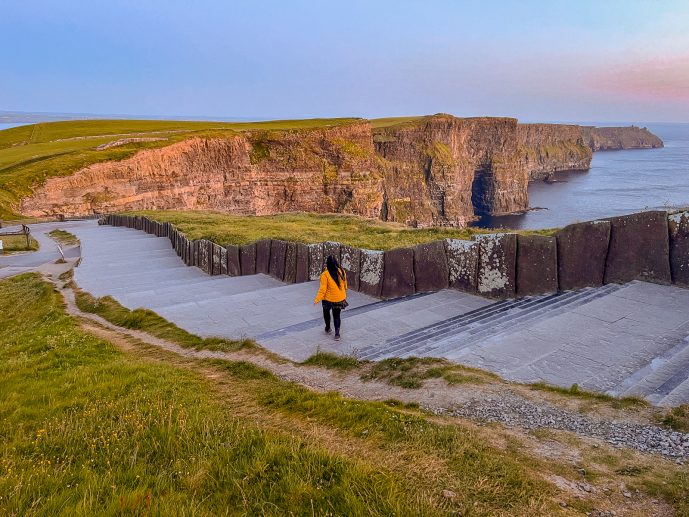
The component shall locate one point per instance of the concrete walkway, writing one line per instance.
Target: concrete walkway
(629, 339)
(17, 263)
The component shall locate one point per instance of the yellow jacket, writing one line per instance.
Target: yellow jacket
(329, 290)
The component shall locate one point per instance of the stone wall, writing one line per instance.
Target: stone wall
(650, 246)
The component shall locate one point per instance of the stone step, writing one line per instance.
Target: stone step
(426, 331)
(510, 322)
(678, 396)
(398, 342)
(660, 377)
(472, 328)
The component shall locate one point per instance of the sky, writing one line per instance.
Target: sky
(550, 60)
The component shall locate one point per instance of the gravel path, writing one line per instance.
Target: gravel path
(514, 411)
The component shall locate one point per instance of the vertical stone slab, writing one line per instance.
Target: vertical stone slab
(205, 256)
(247, 258)
(189, 252)
(333, 249)
(497, 258)
(679, 248)
(430, 267)
(639, 248)
(371, 272)
(278, 255)
(233, 266)
(216, 256)
(302, 273)
(398, 273)
(315, 261)
(195, 254)
(581, 252)
(223, 261)
(350, 260)
(290, 263)
(536, 265)
(263, 256)
(462, 264)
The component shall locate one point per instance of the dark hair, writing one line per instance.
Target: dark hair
(333, 268)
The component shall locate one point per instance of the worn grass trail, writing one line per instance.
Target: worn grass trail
(89, 428)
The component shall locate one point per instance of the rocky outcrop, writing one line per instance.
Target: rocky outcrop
(618, 138)
(547, 148)
(444, 170)
(436, 170)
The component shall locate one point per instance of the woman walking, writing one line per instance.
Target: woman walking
(333, 294)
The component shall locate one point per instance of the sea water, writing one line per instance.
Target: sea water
(7, 125)
(618, 182)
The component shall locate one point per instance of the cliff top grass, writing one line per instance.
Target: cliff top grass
(308, 228)
(33, 153)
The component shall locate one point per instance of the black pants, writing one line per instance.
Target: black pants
(327, 307)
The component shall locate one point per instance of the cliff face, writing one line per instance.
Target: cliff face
(616, 138)
(328, 170)
(445, 170)
(547, 148)
(436, 170)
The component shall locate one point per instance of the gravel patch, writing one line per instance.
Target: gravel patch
(514, 411)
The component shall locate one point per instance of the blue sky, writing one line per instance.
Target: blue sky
(535, 60)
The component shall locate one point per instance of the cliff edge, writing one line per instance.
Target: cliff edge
(436, 170)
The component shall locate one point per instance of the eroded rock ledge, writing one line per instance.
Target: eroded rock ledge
(436, 170)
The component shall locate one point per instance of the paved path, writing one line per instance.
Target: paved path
(16, 263)
(629, 339)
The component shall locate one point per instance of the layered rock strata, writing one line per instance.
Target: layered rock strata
(432, 171)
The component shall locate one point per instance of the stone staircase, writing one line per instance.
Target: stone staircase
(467, 329)
(629, 339)
(664, 381)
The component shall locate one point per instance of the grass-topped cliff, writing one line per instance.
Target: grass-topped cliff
(434, 170)
(31, 154)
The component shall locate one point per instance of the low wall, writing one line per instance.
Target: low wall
(651, 246)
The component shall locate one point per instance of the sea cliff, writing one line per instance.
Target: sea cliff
(437, 170)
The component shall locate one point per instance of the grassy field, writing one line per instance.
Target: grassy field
(64, 237)
(30, 154)
(89, 429)
(14, 243)
(356, 231)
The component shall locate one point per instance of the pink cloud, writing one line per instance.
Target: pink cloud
(662, 78)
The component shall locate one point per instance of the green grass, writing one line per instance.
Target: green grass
(356, 231)
(333, 361)
(411, 372)
(64, 237)
(33, 153)
(88, 430)
(677, 418)
(14, 243)
(489, 481)
(150, 322)
(577, 392)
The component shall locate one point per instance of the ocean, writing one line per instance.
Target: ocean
(6, 125)
(619, 182)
